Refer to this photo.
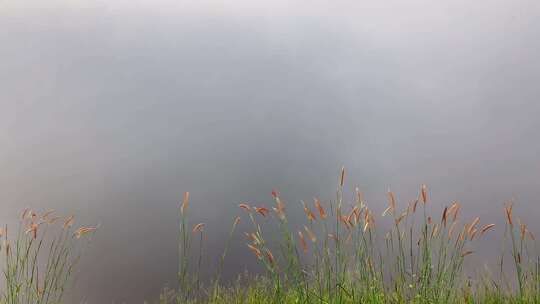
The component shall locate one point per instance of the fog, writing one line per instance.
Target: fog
(112, 109)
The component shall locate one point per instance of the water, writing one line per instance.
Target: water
(111, 110)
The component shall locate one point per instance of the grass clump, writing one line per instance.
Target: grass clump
(39, 262)
(340, 255)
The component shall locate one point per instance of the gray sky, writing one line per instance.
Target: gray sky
(112, 109)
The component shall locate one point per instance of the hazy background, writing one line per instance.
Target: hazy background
(112, 109)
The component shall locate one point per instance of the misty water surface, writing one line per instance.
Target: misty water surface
(112, 109)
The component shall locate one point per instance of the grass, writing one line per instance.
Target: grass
(40, 261)
(340, 255)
